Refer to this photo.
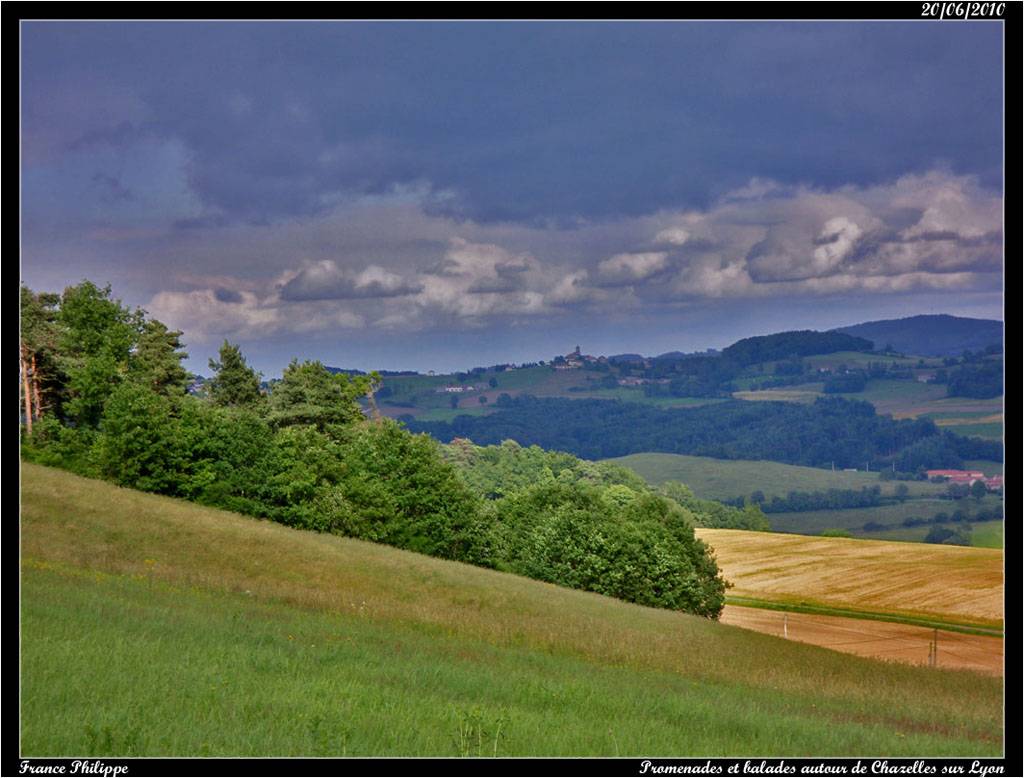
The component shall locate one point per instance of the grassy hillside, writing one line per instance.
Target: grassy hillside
(153, 626)
(722, 479)
(945, 583)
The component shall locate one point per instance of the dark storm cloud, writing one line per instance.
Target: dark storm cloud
(227, 295)
(520, 181)
(518, 121)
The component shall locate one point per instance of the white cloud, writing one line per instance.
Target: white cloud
(838, 237)
(675, 236)
(624, 268)
(325, 280)
(394, 264)
(205, 315)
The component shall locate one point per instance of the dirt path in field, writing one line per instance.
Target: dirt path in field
(875, 639)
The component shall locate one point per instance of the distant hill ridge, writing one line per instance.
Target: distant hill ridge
(932, 335)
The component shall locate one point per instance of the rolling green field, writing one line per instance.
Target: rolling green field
(990, 430)
(151, 626)
(981, 424)
(861, 359)
(636, 395)
(801, 393)
(447, 414)
(723, 479)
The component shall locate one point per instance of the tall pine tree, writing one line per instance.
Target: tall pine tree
(308, 393)
(234, 383)
(156, 363)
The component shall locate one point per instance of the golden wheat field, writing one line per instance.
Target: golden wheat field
(946, 583)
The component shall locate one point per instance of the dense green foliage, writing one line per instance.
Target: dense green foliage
(959, 536)
(831, 430)
(946, 449)
(637, 547)
(96, 337)
(981, 380)
(305, 455)
(700, 376)
(498, 472)
(715, 514)
(596, 525)
(845, 383)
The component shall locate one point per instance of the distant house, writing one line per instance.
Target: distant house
(975, 474)
(455, 389)
(966, 477)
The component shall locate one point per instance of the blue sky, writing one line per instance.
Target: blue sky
(444, 195)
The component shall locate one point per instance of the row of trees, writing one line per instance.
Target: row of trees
(827, 500)
(830, 430)
(104, 394)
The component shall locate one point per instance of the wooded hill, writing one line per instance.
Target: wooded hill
(931, 335)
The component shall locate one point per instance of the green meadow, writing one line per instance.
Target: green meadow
(724, 479)
(151, 626)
